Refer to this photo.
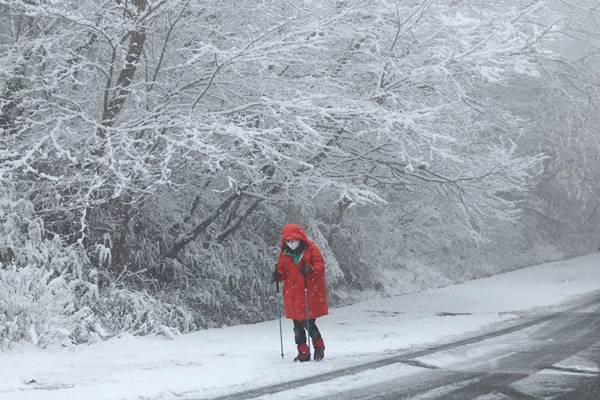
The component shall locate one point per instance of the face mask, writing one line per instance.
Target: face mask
(293, 244)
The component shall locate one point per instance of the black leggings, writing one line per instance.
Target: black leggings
(300, 331)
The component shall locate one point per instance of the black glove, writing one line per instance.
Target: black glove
(306, 269)
(275, 277)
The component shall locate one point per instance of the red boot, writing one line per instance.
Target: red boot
(303, 353)
(319, 346)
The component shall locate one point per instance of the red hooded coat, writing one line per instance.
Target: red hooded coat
(293, 281)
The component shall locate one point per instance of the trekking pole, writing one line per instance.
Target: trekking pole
(306, 302)
(280, 306)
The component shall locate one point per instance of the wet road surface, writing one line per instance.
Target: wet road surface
(556, 356)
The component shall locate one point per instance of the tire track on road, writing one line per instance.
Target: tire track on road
(400, 358)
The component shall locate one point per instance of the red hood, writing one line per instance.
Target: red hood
(293, 231)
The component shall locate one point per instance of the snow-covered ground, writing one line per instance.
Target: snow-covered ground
(227, 360)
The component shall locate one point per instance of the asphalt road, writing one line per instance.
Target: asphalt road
(555, 356)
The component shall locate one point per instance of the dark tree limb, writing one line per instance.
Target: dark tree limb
(114, 101)
(200, 228)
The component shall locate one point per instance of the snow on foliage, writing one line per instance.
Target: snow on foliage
(37, 307)
(151, 150)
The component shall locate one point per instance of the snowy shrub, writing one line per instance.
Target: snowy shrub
(44, 308)
(231, 284)
(38, 306)
(139, 313)
(42, 289)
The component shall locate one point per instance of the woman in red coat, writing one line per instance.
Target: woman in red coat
(300, 265)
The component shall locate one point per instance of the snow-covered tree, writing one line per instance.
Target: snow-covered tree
(147, 133)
